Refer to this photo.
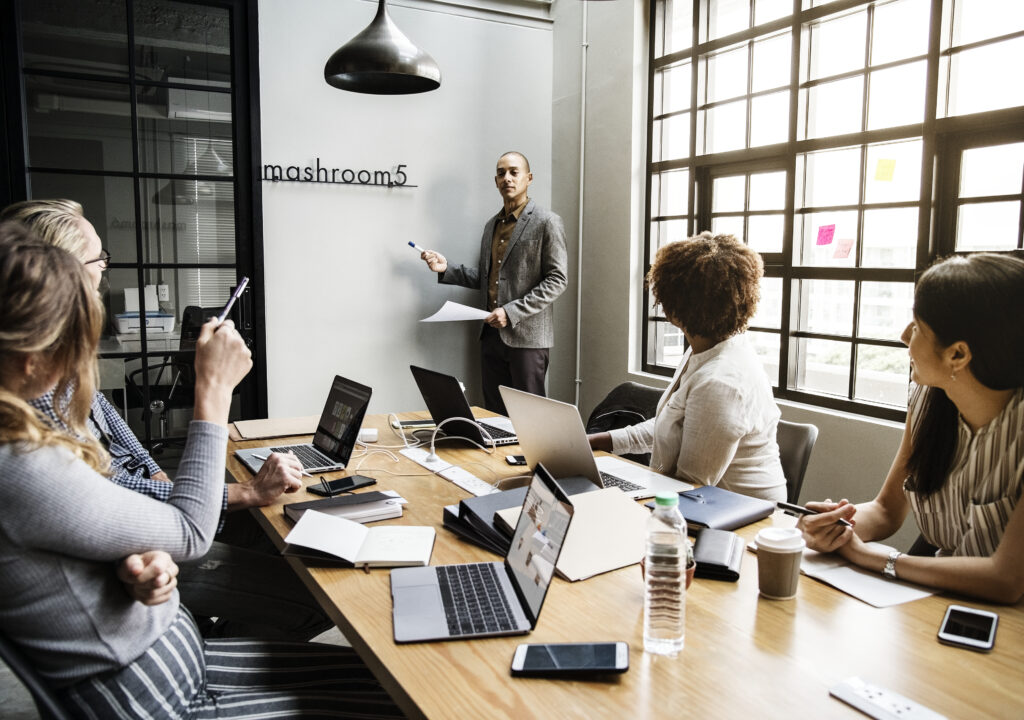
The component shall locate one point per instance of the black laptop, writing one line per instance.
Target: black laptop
(444, 398)
(335, 436)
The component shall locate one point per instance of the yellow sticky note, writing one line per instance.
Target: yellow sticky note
(885, 169)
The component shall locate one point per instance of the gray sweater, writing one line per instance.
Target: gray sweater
(64, 527)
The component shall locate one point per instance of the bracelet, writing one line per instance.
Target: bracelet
(890, 565)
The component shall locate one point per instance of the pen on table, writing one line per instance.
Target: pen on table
(414, 246)
(264, 459)
(793, 509)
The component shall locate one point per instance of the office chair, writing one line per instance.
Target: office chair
(627, 404)
(796, 440)
(179, 393)
(46, 701)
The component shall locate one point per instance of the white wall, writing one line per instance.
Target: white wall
(344, 292)
(852, 454)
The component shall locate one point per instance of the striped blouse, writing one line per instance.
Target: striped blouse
(969, 514)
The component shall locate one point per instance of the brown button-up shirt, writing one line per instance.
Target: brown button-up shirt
(503, 229)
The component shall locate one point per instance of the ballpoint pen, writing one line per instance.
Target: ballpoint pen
(264, 459)
(793, 509)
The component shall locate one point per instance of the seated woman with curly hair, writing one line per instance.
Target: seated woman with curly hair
(716, 422)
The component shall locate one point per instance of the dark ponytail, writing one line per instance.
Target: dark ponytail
(973, 299)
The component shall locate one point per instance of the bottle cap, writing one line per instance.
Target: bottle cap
(666, 499)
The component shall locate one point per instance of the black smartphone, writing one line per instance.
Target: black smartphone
(570, 659)
(515, 459)
(969, 628)
(327, 488)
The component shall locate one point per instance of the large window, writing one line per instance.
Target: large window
(850, 144)
(140, 110)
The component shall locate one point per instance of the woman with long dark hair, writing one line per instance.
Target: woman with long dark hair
(960, 465)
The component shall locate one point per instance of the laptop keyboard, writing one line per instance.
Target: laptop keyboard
(472, 598)
(624, 485)
(309, 456)
(498, 433)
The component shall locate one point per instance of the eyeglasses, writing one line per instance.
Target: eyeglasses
(103, 258)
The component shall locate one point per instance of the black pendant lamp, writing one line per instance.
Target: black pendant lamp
(381, 60)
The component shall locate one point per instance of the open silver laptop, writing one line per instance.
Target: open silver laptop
(454, 602)
(551, 432)
(445, 399)
(335, 435)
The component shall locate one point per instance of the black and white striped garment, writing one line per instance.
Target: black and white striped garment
(969, 514)
(184, 676)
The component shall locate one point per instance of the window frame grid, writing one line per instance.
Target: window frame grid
(942, 139)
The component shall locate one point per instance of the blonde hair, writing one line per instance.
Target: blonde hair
(57, 222)
(48, 308)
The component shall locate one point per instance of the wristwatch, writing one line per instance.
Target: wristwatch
(890, 565)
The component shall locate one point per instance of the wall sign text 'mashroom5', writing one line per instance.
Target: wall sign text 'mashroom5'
(324, 175)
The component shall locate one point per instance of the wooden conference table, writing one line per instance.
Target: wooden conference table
(745, 656)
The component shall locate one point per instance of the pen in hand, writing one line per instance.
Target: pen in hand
(264, 459)
(793, 509)
(414, 246)
(231, 303)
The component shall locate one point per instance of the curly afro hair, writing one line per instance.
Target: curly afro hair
(708, 285)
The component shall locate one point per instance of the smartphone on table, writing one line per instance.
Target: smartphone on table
(570, 659)
(515, 459)
(969, 628)
(329, 488)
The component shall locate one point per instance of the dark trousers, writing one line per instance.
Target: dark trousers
(520, 368)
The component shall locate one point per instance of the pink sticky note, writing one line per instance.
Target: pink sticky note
(843, 247)
(825, 233)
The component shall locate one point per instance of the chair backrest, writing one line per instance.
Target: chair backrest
(796, 440)
(47, 704)
(627, 404)
(192, 319)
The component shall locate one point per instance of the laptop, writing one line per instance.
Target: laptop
(445, 399)
(335, 435)
(455, 602)
(551, 432)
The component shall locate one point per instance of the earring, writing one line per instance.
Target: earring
(952, 376)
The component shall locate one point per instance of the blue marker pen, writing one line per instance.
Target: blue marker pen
(414, 246)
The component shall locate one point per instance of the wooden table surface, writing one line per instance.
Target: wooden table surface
(745, 656)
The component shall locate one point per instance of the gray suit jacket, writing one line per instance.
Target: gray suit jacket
(532, 275)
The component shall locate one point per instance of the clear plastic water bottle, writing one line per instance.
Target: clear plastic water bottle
(665, 578)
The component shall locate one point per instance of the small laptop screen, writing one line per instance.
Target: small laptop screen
(343, 414)
(537, 542)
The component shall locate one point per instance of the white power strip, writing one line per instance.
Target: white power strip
(467, 481)
(419, 456)
(879, 703)
(453, 473)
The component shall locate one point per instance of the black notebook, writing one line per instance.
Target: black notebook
(478, 513)
(712, 507)
(360, 507)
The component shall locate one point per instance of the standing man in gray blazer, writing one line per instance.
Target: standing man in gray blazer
(521, 271)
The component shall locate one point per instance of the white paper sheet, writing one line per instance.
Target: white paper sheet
(453, 311)
(867, 586)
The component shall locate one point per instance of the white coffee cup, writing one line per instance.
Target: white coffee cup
(779, 551)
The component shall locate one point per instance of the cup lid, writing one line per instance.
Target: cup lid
(777, 538)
